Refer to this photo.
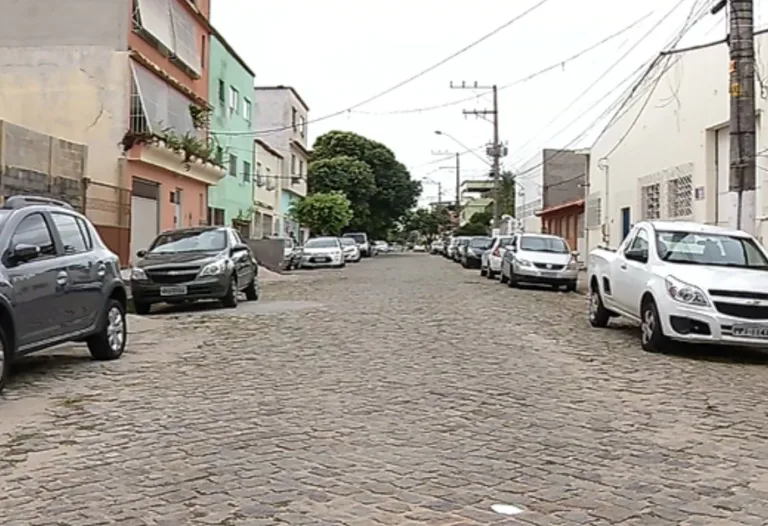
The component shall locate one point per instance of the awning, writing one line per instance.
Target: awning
(561, 207)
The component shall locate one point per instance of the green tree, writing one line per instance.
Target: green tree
(427, 223)
(507, 193)
(471, 229)
(481, 218)
(395, 192)
(326, 214)
(348, 175)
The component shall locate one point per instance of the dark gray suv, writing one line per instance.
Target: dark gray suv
(58, 282)
(189, 264)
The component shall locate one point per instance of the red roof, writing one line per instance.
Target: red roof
(564, 206)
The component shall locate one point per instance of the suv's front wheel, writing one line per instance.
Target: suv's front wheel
(6, 354)
(109, 342)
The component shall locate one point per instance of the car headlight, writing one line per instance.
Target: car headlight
(573, 264)
(138, 274)
(215, 268)
(685, 293)
(523, 262)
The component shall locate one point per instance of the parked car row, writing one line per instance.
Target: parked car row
(331, 251)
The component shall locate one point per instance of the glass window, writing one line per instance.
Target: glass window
(246, 171)
(33, 230)
(234, 100)
(640, 242)
(505, 241)
(543, 244)
(70, 232)
(480, 242)
(233, 165)
(247, 109)
(186, 41)
(719, 250)
(164, 107)
(190, 241)
(322, 242)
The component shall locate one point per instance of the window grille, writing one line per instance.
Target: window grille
(680, 196)
(650, 201)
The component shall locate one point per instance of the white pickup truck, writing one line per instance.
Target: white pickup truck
(683, 282)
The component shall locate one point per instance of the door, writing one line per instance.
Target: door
(145, 215)
(626, 221)
(178, 212)
(86, 275)
(242, 259)
(629, 278)
(727, 201)
(40, 284)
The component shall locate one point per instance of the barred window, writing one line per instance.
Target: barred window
(163, 106)
(680, 196)
(650, 201)
(594, 212)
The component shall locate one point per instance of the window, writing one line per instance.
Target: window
(680, 196)
(301, 168)
(650, 201)
(202, 53)
(640, 243)
(247, 110)
(294, 116)
(220, 154)
(171, 25)
(163, 106)
(70, 233)
(33, 230)
(271, 181)
(302, 126)
(293, 164)
(186, 37)
(234, 100)
(215, 216)
(86, 233)
(233, 165)
(259, 178)
(710, 249)
(222, 92)
(246, 171)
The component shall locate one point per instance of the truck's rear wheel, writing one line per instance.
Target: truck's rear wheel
(598, 314)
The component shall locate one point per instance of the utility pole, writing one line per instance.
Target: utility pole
(741, 40)
(458, 174)
(495, 150)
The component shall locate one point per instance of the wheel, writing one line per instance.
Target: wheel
(6, 355)
(512, 282)
(490, 274)
(598, 314)
(652, 335)
(252, 290)
(483, 271)
(571, 287)
(230, 298)
(109, 342)
(503, 278)
(141, 307)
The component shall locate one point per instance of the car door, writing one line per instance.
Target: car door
(39, 283)
(629, 273)
(241, 259)
(85, 275)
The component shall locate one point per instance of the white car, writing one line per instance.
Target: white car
(351, 250)
(490, 264)
(540, 259)
(419, 248)
(322, 252)
(683, 281)
(382, 247)
(361, 238)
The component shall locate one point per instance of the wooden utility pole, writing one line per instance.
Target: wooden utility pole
(495, 150)
(741, 40)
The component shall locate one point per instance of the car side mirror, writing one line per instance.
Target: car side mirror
(24, 252)
(238, 248)
(141, 253)
(637, 254)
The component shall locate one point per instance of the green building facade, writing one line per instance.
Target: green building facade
(231, 93)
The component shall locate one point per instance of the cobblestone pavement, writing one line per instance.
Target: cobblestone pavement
(400, 391)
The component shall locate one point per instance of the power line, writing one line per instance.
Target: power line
(556, 65)
(399, 85)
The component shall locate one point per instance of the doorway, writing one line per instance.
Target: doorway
(626, 222)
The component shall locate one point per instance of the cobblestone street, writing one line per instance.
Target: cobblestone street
(400, 391)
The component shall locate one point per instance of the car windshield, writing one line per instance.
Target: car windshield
(543, 244)
(359, 238)
(348, 241)
(322, 242)
(190, 241)
(718, 250)
(505, 241)
(480, 242)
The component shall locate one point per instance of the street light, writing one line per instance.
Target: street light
(439, 187)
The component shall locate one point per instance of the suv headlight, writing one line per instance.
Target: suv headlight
(215, 268)
(523, 262)
(685, 293)
(138, 274)
(573, 264)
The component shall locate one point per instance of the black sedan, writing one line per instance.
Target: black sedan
(472, 255)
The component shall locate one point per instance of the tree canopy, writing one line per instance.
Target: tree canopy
(334, 167)
(326, 214)
(427, 223)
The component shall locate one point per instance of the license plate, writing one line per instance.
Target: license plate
(545, 274)
(320, 260)
(178, 290)
(751, 331)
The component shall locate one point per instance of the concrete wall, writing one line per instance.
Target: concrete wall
(530, 195)
(564, 173)
(266, 190)
(268, 252)
(33, 163)
(32, 23)
(233, 194)
(674, 136)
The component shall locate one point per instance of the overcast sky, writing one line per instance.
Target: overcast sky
(337, 53)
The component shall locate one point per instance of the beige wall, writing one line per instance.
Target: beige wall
(80, 94)
(273, 164)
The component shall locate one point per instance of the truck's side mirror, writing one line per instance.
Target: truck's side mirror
(637, 254)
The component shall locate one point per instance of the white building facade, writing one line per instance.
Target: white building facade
(267, 216)
(666, 153)
(281, 116)
(529, 198)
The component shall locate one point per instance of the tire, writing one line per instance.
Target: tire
(490, 274)
(572, 287)
(652, 337)
(109, 342)
(483, 272)
(598, 314)
(512, 279)
(503, 279)
(230, 298)
(141, 307)
(6, 355)
(252, 291)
